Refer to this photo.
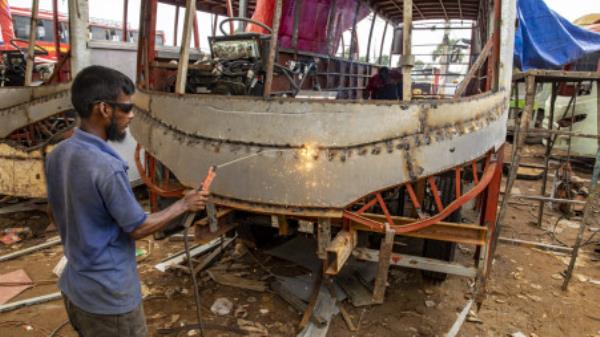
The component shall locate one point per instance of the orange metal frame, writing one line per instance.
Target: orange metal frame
(491, 169)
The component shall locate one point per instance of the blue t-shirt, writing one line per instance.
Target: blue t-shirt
(95, 209)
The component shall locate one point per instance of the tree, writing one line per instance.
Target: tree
(450, 48)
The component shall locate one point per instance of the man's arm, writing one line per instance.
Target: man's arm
(193, 201)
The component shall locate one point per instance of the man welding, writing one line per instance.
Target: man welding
(96, 213)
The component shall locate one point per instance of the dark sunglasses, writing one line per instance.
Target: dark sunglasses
(125, 107)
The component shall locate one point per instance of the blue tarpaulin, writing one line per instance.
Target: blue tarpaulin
(546, 40)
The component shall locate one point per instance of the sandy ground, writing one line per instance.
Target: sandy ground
(523, 295)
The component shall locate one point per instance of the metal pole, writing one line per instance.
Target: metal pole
(407, 58)
(176, 25)
(587, 215)
(370, 37)
(35, 7)
(49, 243)
(330, 22)
(230, 14)
(297, 14)
(242, 13)
(79, 35)
(354, 36)
(518, 142)
(184, 53)
(547, 153)
(382, 42)
(56, 24)
(273, 49)
(214, 24)
(196, 33)
(125, 14)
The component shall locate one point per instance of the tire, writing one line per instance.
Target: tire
(441, 250)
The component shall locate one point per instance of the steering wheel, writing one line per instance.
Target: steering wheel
(254, 22)
(37, 49)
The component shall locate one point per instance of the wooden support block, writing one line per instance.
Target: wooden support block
(385, 252)
(284, 227)
(339, 250)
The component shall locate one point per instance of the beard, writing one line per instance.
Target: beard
(113, 133)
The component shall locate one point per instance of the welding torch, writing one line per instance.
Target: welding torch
(204, 186)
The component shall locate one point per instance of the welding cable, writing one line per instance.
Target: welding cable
(58, 328)
(186, 246)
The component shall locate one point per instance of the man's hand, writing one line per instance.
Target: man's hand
(195, 200)
(192, 201)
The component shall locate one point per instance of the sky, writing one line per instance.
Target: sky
(113, 10)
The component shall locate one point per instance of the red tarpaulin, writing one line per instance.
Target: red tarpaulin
(312, 28)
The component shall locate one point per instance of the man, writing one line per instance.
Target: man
(386, 84)
(96, 213)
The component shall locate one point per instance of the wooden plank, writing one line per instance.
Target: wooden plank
(474, 70)
(237, 282)
(184, 53)
(385, 253)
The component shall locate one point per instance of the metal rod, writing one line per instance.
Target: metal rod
(242, 13)
(547, 153)
(51, 242)
(370, 37)
(354, 34)
(176, 26)
(35, 8)
(56, 24)
(382, 42)
(407, 58)
(330, 23)
(125, 18)
(563, 133)
(273, 49)
(538, 245)
(587, 215)
(30, 301)
(196, 33)
(184, 53)
(230, 14)
(483, 55)
(297, 14)
(455, 329)
(548, 199)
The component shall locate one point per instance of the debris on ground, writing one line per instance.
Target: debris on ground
(254, 329)
(228, 279)
(222, 306)
(12, 284)
(14, 235)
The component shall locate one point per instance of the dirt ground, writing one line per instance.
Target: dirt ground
(523, 294)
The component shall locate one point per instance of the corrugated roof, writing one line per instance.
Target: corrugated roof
(390, 9)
